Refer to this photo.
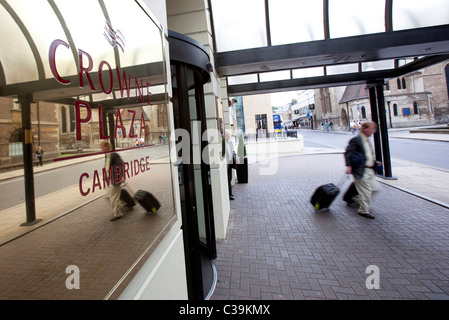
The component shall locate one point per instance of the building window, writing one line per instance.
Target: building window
(15, 149)
(63, 120)
(446, 69)
(72, 118)
(395, 110)
(404, 83)
(363, 112)
(15, 143)
(399, 83)
(387, 86)
(415, 108)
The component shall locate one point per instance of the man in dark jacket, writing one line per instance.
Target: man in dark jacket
(360, 163)
(114, 166)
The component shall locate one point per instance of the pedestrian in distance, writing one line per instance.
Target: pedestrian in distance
(39, 155)
(114, 166)
(231, 160)
(360, 162)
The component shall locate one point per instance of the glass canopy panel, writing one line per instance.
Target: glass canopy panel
(42, 32)
(342, 69)
(403, 62)
(377, 65)
(293, 21)
(239, 24)
(86, 23)
(16, 56)
(308, 72)
(141, 52)
(416, 14)
(274, 76)
(354, 17)
(248, 78)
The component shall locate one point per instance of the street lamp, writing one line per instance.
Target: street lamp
(311, 108)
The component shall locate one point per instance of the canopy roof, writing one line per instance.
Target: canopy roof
(47, 48)
(271, 46)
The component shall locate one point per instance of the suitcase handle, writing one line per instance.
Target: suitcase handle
(342, 180)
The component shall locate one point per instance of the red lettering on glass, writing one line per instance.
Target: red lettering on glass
(131, 135)
(139, 90)
(142, 125)
(118, 117)
(82, 69)
(127, 84)
(81, 185)
(78, 120)
(100, 73)
(100, 118)
(52, 58)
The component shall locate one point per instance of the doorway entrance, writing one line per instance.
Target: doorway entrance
(194, 171)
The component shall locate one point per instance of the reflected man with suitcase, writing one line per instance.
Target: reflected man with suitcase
(113, 191)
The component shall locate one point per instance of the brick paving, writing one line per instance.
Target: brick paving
(278, 247)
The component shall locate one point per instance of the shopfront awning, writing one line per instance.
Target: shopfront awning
(271, 46)
(59, 49)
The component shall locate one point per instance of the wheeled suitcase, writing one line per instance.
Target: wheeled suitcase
(349, 194)
(127, 198)
(324, 195)
(147, 200)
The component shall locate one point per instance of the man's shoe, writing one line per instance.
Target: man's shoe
(231, 198)
(116, 218)
(366, 215)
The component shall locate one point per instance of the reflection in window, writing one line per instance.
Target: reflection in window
(15, 143)
(63, 120)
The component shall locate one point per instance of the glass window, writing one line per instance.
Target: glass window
(239, 24)
(342, 68)
(248, 78)
(355, 17)
(275, 75)
(63, 120)
(417, 14)
(308, 72)
(293, 21)
(415, 108)
(446, 70)
(15, 149)
(73, 200)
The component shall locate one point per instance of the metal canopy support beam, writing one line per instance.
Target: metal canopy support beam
(333, 80)
(375, 118)
(25, 105)
(383, 130)
(381, 144)
(427, 41)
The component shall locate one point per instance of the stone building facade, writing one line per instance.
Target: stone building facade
(420, 98)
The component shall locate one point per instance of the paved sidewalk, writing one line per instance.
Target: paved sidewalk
(278, 247)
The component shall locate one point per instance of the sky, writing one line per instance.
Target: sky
(281, 98)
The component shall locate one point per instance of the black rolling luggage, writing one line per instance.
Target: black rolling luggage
(349, 194)
(324, 195)
(127, 198)
(147, 200)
